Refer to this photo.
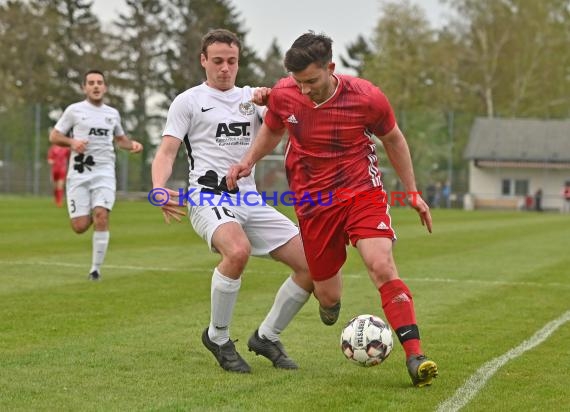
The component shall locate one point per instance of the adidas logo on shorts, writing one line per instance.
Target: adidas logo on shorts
(382, 226)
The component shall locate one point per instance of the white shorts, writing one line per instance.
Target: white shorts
(84, 195)
(265, 227)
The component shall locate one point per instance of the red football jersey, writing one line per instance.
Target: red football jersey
(330, 145)
(59, 155)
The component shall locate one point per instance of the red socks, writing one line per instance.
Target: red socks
(58, 197)
(399, 310)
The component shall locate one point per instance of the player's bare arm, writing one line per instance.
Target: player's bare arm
(128, 144)
(161, 171)
(398, 152)
(265, 141)
(77, 145)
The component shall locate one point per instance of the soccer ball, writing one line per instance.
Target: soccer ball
(366, 340)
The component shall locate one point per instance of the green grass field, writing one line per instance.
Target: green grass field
(483, 284)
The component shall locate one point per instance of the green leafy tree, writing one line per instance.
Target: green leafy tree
(358, 51)
(399, 60)
(513, 56)
(25, 82)
(540, 61)
(401, 50)
(272, 66)
(77, 44)
(138, 50)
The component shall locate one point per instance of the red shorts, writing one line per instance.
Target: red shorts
(58, 174)
(326, 232)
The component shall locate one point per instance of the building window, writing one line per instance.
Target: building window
(521, 187)
(506, 187)
(510, 187)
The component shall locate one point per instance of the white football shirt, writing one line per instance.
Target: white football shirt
(99, 125)
(217, 128)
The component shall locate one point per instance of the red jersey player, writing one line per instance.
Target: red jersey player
(58, 157)
(331, 119)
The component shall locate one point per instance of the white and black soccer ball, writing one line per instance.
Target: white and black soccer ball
(366, 340)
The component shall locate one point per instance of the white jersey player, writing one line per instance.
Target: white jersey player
(95, 167)
(90, 127)
(217, 123)
(217, 127)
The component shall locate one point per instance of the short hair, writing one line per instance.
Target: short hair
(219, 36)
(308, 48)
(93, 71)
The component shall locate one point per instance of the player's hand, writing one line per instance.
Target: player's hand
(261, 95)
(79, 145)
(416, 201)
(136, 147)
(236, 172)
(173, 208)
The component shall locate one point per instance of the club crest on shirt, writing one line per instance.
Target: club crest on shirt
(109, 120)
(246, 108)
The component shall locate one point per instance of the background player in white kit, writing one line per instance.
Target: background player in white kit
(89, 128)
(217, 123)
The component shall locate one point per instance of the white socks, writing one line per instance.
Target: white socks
(289, 300)
(100, 244)
(224, 293)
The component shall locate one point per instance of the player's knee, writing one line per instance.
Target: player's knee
(300, 269)
(237, 256)
(80, 226)
(101, 219)
(382, 269)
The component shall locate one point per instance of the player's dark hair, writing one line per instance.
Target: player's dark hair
(219, 36)
(308, 48)
(93, 71)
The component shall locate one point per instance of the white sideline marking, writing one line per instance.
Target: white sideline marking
(122, 267)
(464, 394)
(345, 275)
(491, 282)
(78, 265)
(119, 267)
(474, 281)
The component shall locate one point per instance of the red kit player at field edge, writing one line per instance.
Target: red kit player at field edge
(57, 158)
(331, 119)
